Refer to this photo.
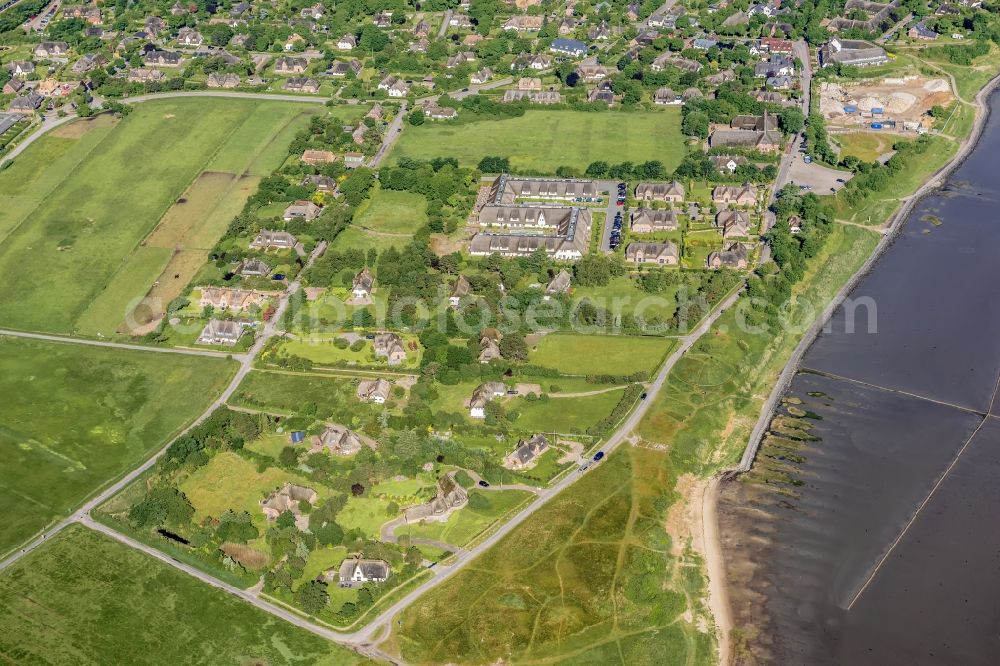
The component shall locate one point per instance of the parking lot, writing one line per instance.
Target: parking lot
(816, 177)
(612, 233)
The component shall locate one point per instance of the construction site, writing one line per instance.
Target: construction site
(893, 104)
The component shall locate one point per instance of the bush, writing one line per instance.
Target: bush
(357, 345)
(341, 343)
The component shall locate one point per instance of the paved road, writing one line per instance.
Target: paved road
(392, 133)
(246, 365)
(444, 24)
(118, 345)
(891, 31)
(610, 209)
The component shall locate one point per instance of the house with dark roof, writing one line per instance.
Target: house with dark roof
(390, 347)
(361, 286)
(570, 47)
(735, 256)
(560, 284)
(525, 456)
(374, 390)
(672, 191)
(483, 394)
(220, 332)
(273, 240)
(732, 223)
(648, 221)
(301, 210)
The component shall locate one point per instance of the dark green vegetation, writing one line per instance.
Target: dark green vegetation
(86, 599)
(76, 417)
(589, 579)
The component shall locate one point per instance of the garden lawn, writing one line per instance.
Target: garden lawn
(866, 146)
(288, 393)
(86, 599)
(540, 141)
(392, 212)
(564, 415)
(465, 524)
(75, 417)
(76, 225)
(599, 354)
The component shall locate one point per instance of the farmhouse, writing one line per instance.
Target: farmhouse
(735, 256)
(566, 232)
(189, 37)
(361, 286)
(144, 75)
(318, 157)
(602, 93)
(664, 253)
(440, 113)
(88, 62)
(287, 498)
(673, 192)
(666, 97)
(507, 189)
(347, 42)
(525, 456)
(220, 332)
(732, 223)
(341, 68)
(590, 70)
(374, 390)
(762, 123)
(394, 86)
(482, 395)
(390, 347)
(276, 240)
(460, 59)
(228, 298)
(854, 52)
(21, 68)
(26, 104)
(353, 160)
(741, 195)
(647, 221)
(301, 210)
(489, 345)
(921, 31)
(216, 80)
(338, 439)
(560, 284)
(482, 76)
(768, 141)
(461, 21)
(355, 571)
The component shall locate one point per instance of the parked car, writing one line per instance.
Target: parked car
(598, 455)
(643, 396)
(483, 484)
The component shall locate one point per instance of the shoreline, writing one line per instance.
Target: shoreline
(719, 602)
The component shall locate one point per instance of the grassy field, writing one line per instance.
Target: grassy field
(147, 613)
(72, 261)
(75, 417)
(465, 524)
(595, 354)
(541, 141)
(587, 580)
(287, 393)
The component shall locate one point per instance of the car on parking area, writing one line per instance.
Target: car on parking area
(598, 455)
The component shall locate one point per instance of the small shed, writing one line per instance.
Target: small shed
(297, 437)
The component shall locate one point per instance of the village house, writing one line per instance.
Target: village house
(590, 70)
(178, 9)
(666, 97)
(719, 78)
(220, 332)
(559, 284)
(459, 290)
(440, 112)
(459, 59)
(287, 498)
(664, 254)
(314, 12)
(525, 456)
(732, 223)
(740, 195)
(301, 210)
(323, 184)
(347, 42)
(311, 156)
(764, 141)
(506, 190)
(89, 62)
(489, 344)
(337, 439)
(374, 390)
(602, 93)
(273, 240)
(539, 62)
(569, 47)
(383, 19)
(672, 192)
(390, 347)
(648, 221)
(217, 80)
(289, 65)
(599, 32)
(394, 86)
(565, 231)
(567, 26)
(49, 50)
(529, 83)
(450, 497)
(524, 23)
(253, 267)
(361, 285)
(921, 31)
(460, 21)
(482, 76)
(21, 68)
(229, 298)
(776, 45)
(145, 75)
(735, 256)
(157, 58)
(189, 37)
(303, 85)
(776, 65)
(25, 105)
(853, 52)
(355, 571)
(342, 68)
(484, 393)
(13, 86)
(547, 97)
(353, 160)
